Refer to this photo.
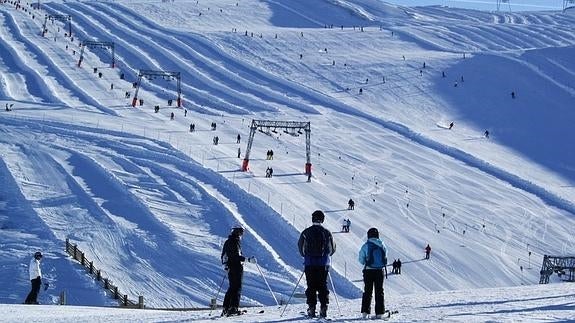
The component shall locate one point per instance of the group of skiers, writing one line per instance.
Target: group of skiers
(396, 267)
(345, 224)
(316, 246)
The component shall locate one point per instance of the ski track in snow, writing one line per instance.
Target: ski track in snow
(460, 155)
(55, 72)
(34, 83)
(150, 173)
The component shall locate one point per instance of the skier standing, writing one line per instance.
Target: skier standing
(233, 260)
(427, 251)
(316, 245)
(35, 278)
(372, 256)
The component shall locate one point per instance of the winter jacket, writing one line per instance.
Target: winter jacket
(34, 269)
(377, 263)
(318, 233)
(232, 252)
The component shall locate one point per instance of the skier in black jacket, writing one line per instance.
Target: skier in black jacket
(316, 245)
(233, 260)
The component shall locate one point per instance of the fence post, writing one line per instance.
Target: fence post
(98, 275)
(75, 252)
(91, 267)
(140, 301)
(116, 294)
(82, 259)
(62, 298)
(125, 300)
(106, 283)
(67, 246)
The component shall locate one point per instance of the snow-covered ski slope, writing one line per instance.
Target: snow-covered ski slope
(151, 203)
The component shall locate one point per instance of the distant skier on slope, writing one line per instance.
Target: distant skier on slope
(427, 251)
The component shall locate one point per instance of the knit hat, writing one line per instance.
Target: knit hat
(317, 217)
(372, 233)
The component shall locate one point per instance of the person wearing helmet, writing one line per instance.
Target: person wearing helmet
(316, 245)
(373, 257)
(233, 260)
(35, 278)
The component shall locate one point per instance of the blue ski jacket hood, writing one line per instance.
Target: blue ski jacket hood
(377, 263)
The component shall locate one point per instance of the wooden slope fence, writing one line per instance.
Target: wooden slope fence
(96, 273)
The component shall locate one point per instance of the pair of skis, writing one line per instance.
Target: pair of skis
(386, 316)
(241, 312)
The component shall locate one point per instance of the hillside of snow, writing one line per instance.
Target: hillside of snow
(151, 203)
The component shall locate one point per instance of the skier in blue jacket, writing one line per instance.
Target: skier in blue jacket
(373, 256)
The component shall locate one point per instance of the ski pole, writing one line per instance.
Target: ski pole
(218, 293)
(334, 293)
(266, 281)
(293, 292)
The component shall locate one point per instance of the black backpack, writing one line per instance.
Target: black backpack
(316, 242)
(375, 251)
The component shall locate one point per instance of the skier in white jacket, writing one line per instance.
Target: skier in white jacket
(35, 278)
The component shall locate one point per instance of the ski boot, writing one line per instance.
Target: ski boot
(311, 311)
(323, 311)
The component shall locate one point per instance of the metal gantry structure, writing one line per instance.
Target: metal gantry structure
(559, 265)
(290, 127)
(63, 18)
(166, 75)
(568, 4)
(97, 44)
(499, 2)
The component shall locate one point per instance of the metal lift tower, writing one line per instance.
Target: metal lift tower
(166, 75)
(97, 44)
(63, 18)
(294, 126)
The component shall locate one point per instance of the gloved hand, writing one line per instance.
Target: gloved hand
(252, 260)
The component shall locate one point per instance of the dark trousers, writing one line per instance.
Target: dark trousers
(232, 298)
(372, 280)
(316, 277)
(33, 295)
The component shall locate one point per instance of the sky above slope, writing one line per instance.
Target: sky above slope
(153, 203)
